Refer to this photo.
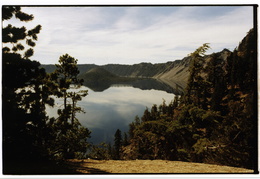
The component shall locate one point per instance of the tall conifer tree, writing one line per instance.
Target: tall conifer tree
(118, 143)
(25, 93)
(72, 136)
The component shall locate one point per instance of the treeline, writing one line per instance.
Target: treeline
(32, 141)
(215, 121)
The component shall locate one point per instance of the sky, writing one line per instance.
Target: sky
(134, 34)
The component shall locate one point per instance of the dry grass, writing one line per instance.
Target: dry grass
(149, 166)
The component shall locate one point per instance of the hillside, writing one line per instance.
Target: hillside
(215, 121)
(99, 79)
(98, 74)
(82, 67)
(171, 73)
(138, 70)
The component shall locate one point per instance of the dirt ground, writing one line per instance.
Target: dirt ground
(149, 166)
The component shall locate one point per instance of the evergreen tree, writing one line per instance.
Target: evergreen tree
(154, 112)
(26, 92)
(215, 70)
(71, 135)
(146, 116)
(125, 140)
(13, 36)
(118, 144)
(132, 127)
(197, 86)
(241, 105)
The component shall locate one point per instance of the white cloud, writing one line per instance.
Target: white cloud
(130, 35)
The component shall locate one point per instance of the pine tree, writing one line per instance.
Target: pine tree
(154, 113)
(197, 86)
(125, 141)
(146, 116)
(118, 144)
(71, 137)
(15, 35)
(26, 92)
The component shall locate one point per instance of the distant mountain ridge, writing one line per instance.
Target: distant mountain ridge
(99, 79)
(136, 70)
(177, 71)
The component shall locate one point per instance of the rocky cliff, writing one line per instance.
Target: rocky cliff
(172, 73)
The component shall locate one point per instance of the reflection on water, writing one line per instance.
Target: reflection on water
(114, 109)
(141, 83)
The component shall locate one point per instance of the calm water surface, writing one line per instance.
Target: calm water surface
(114, 108)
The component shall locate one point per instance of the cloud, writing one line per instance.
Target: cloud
(130, 35)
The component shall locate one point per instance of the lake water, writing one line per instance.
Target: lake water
(114, 108)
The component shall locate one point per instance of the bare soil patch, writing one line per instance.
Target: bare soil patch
(149, 166)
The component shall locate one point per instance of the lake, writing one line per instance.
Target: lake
(114, 108)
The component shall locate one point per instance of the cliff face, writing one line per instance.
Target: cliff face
(138, 70)
(178, 72)
(172, 73)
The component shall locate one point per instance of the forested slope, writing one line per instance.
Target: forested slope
(215, 121)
